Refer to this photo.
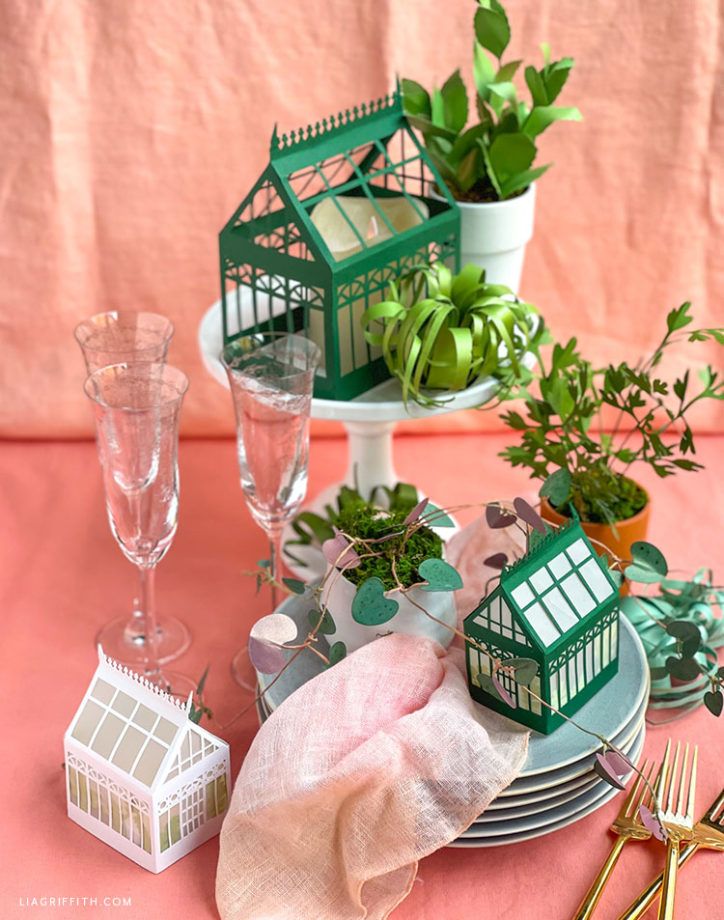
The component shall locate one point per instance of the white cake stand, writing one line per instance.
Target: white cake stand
(369, 421)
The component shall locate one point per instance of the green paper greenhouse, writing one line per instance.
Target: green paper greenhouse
(343, 208)
(559, 606)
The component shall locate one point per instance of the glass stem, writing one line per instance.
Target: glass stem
(275, 557)
(147, 606)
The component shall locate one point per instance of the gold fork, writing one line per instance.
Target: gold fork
(627, 826)
(708, 834)
(678, 819)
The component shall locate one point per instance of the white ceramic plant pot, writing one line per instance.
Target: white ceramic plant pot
(339, 593)
(494, 235)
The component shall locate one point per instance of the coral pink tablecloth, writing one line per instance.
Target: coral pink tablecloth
(61, 576)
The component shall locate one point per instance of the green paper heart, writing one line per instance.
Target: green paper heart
(525, 669)
(327, 626)
(714, 702)
(439, 575)
(337, 652)
(370, 607)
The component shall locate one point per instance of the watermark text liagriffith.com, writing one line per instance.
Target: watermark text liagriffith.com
(52, 901)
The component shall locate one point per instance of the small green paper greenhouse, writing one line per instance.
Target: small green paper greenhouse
(559, 606)
(344, 207)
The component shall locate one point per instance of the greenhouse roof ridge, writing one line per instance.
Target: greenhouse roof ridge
(311, 134)
(544, 541)
(168, 698)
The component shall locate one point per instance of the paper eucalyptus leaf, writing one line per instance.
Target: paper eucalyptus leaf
(327, 626)
(267, 659)
(337, 652)
(647, 555)
(619, 762)
(496, 518)
(683, 630)
(607, 772)
(274, 629)
(503, 693)
(642, 574)
(714, 701)
(557, 487)
(527, 513)
(652, 823)
(439, 575)
(370, 607)
(525, 670)
(496, 561)
(295, 585)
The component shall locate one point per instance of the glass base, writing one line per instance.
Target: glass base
(242, 670)
(123, 640)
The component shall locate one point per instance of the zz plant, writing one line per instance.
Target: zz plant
(492, 159)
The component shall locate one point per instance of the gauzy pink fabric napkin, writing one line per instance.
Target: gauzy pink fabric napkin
(364, 770)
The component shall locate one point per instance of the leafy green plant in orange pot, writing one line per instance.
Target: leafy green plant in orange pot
(582, 466)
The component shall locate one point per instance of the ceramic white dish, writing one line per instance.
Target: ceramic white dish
(576, 813)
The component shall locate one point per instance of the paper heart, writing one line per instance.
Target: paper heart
(652, 823)
(439, 575)
(370, 607)
(495, 517)
(267, 659)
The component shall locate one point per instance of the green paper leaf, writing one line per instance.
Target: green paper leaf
(295, 585)
(525, 670)
(646, 554)
(327, 627)
(439, 575)
(511, 154)
(337, 652)
(644, 575)
(455, 101)
(264, 563)
(557, 487)
(370, 607)
(492, 29)
(714, 702)
(436, 517)
(684, 630)
(536, 86)
(521, 181)
(543, 116)
(416, 99)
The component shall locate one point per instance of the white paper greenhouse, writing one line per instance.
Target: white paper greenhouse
(141, 775)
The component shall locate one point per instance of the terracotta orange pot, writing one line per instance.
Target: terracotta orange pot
(619, 542)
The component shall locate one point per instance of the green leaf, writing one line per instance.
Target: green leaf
(439, 575)
(679, 317)
(437, 109)
(483, 70)
(543, 116)
(505, 91)
(555, 78)
(435, 517)
(525, 669)
(492, 30)
(370, 607)
(455, 101)
(536, 86)
(202, 683)
(327, 627)
(683, 630)
(295, 585)
(646, 554)
(507, 71)
(521, 181)
(557, 487)
(511, 154)
(337, 652)
(416, 99)
(641, 574)
(430, 129)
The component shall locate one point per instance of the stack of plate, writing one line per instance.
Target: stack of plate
(557, 785)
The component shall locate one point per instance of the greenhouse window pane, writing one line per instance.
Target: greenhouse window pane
(596, 580)
(147, 766)
(87, 722)
(165, 731)
(102, 691)
(145, 717)
(522, 595)
(541, 624)
(107, 735)
(560, 609)
(578, 551)
(123, 703)
(541, 580)
(559, 565)
(577, 594)
(127, 751)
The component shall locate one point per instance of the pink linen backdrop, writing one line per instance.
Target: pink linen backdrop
(130, 131)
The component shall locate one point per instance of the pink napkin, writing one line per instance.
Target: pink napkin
(364, 770)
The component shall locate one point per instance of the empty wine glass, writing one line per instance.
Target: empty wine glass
(127, 336)
(137, 409)
(271, 378)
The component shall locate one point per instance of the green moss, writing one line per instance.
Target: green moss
(359, 520)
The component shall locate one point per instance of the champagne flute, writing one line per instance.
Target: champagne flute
(137, 409)
(132, 337)
(271, 378)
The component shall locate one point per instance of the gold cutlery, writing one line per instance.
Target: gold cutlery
(677, 818)
(627, 826)
(708, 834)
